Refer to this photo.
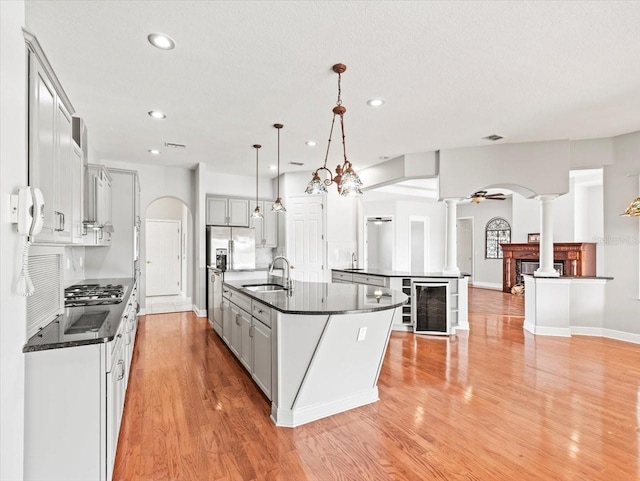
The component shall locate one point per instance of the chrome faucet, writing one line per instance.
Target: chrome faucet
(354, 260)
(288, 283)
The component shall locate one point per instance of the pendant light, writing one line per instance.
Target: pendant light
(277, 205)
(256, 212)
(346, 179)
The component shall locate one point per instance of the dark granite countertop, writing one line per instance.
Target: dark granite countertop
(391, 273)
(53, 336)
(322, 297)
(602, 278)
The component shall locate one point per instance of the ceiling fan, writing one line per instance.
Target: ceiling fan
(481, 195)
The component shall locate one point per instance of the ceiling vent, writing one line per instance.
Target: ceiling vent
(175, 145)
(296, 163)
(493, 137)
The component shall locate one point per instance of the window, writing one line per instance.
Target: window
(498, 231)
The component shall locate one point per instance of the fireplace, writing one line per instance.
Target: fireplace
(529, 267)
(430, 308)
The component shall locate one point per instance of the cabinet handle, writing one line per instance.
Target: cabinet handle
(121, 364)
(59, 221)
(259, 311)
(237, 319)
(251, 330)
(62, 214)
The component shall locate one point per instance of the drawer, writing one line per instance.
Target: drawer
(261, 312)
(240, 300)
(341, 276)
(226, 291)
(370, 280)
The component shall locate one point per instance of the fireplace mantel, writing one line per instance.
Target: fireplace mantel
(578, 259)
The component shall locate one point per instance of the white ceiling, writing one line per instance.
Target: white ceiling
(450, 72)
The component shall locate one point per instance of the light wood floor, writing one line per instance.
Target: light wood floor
(493, 404)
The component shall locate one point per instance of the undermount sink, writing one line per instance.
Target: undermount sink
(264, 287)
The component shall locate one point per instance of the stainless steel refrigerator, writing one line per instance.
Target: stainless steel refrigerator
(240, 243)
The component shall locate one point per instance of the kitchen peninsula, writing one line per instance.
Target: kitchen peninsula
(314, 350)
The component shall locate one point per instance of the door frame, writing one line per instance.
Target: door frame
(473, 245)
(180, 250)
(365, 237)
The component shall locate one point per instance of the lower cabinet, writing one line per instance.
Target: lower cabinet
(248, 335)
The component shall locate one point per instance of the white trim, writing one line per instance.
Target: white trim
(473, 245)
(461, 327)
(486, 285)
(427, 243)
(143, 312)
(393, 239)
(546, 331)
(291, 419)
(587, 331)
(199, 312)
(607, 333)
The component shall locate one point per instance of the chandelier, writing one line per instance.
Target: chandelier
(346, 179)
(634, 209)
(257, 214)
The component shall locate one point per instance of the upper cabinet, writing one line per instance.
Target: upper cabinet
(53, 164)
(267, 227)
(230, 212)
(98, 211)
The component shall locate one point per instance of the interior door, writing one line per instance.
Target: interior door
(465, 245)
(305, 239)
(163, 257)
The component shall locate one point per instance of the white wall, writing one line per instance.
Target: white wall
(621, 236)
(239, 185)
(13, 174)
(487, 271)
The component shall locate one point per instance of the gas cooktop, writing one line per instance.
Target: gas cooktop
(93, 295)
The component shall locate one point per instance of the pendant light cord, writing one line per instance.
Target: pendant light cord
(278, 164)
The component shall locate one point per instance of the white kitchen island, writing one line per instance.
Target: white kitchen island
(327, 343)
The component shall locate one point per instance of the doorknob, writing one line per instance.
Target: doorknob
(148, 262)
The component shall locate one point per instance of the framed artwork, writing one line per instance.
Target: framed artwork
(533, 238)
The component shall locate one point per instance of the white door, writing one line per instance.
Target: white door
(305, 239)
(464, 228)
(163, 257)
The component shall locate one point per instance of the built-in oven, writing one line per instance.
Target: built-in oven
(430, 312)
(214, 298)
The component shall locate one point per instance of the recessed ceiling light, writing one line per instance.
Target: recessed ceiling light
(157, 114)
(154, 151)
(161, 41)
(493, 137)
(311, 143)
(272, 167)
(375, 102)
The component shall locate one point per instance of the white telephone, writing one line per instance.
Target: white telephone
(29, 211)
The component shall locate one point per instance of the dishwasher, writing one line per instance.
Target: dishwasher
(214, 298)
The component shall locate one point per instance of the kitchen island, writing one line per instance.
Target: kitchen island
(316, 349)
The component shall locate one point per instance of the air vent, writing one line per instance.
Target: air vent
(493, 137)
(296, 163)
(175, 145)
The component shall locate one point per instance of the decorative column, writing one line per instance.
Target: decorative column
(451, 261)
(546, 237)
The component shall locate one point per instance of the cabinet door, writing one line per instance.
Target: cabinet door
(269, 226)
(216, 211)
(227, 321)
(261, 347)
(64, 171)
(107, 206)
(42, 168)
(245, 340)
(239, 212)
(77, 174)
(236, 331)
(115, 404)
(257, 223)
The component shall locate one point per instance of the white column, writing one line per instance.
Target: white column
(451, 262)
(546, 237)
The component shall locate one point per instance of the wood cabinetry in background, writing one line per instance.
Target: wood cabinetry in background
(577, 259)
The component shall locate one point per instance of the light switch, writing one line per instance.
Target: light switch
(361, 333)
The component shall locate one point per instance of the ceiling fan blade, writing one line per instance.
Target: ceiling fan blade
(496, 198)
(490, 196)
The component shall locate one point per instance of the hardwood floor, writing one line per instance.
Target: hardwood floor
(495, 403)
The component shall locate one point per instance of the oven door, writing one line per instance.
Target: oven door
(430, 308)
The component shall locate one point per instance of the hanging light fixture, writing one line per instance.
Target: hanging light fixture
(346, 179)
(634, 209)
(277, 205)
(256, 212)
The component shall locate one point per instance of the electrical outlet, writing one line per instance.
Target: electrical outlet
(361, 333)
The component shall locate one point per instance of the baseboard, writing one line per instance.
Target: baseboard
(587, 331)
(143, 312)
(486, 285)
(289, 418)
(402, 327)
(199, 312)
(546, 331)
(463, 326)
(608, 333)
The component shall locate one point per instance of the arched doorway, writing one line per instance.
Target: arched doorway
(169, 256)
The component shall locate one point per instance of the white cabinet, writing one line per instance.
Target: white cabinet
(51, 155)
(224, 211)
(261, 349)
(236, 331)
(227, 320)
(99, 209)
(245, 340)
(267, 227)
(116, 389)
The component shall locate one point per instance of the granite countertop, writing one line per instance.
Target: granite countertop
(603, 278)
(322, 297)
(391, 273)
(53, 335)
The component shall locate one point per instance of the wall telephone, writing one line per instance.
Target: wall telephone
(28, 210)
